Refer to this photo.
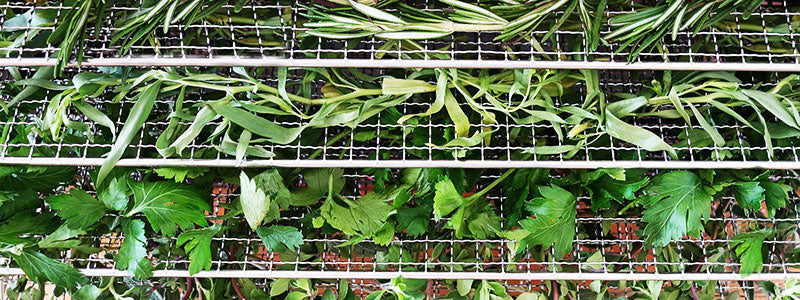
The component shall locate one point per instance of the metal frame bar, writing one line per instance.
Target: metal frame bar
(436, 275)
(233, 61)
(468, 164)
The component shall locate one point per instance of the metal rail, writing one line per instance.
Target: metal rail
(405, 63)
(436, 275)
(365, 163)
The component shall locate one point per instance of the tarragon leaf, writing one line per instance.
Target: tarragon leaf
(636, 135)
(675, 205)
(197, 244)
(168, 205)
(132, 255)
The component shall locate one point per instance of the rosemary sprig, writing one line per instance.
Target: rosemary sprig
(645, 28)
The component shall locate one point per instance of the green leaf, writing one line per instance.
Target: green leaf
(132, 255)
(87, 292)
(317, 185)
(447, 199)
(748, 248)
(463, 287)
(255, 203)
(771, 103)
(115, 196)
(22, 201)
(414, 220)
(776, 196)
(675, 205)
(19, 228)
(636, 135)
(456, 115)
(363, 216)
(136, 117)
(96, 115)
(606, 188)
(168, 205)
(554, 224)
(255, 124)
(394, 86)
(275, 236)
(279, 286)
(197, 243)
(375, 13)
(41, 268)
(271, 183)
(473, 216)
(40, 179)
(78, 208)
(179, 174)
(748, 195)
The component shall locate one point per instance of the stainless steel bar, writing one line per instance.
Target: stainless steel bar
(222, 61)
(436, 275)
(470, 164)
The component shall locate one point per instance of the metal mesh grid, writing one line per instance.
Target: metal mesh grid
(440, 288)
(768, 42)
(439, 255)
(367, 145)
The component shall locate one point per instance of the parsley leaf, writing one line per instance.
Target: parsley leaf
(748, 248)
(776, 196)
(41, 268)
(40, 179)
(78, 208)
(675, 205)
(168, 205)
(24, 200)
(132, 255)
(275, 236)
(255, 204)
(115, 195)
(271, 182)
(414, 220)
(179, 174)
(748, 195)
(17, 229)
(197, 243)
(317, 185)
(363, 216)
(554, 222)
(473, 216)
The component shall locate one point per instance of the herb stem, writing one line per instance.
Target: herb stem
(491, 185)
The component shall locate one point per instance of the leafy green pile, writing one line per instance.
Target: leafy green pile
(241, 116)
(647, 28)
(163, 213)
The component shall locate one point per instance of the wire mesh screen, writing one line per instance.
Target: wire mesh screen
(382, 141)
(272, 33)
(606, 248)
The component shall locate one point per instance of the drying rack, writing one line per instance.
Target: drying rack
(737, 49)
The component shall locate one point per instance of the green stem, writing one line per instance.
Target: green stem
(491, 185)
(631, 204)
